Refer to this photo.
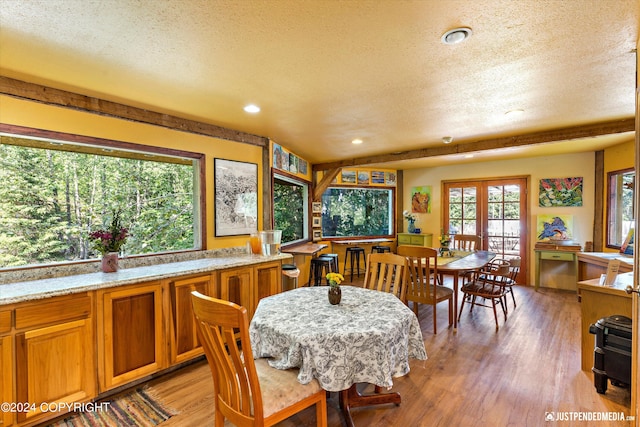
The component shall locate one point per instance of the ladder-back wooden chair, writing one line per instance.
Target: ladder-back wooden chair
(248, 392)
(421, 277)
(488, 284)
(386, 272)
(466, 242)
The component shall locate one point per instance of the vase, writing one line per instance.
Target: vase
(110, 262)
(335, 295)
(412, 227)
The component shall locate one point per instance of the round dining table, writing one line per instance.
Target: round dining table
(368, 337)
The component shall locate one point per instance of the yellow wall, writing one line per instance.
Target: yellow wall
(618, 157)
(35, 115)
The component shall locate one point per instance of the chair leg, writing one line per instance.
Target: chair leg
(464, 297)
(450, 312)
(435, 320)
(513, 297)
(495, 313)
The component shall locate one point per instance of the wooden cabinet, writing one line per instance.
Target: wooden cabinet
(6, 367)
(131, 335)
(183, 337)
(55, 353)
(415, 239)
(247, 285)
(556, 278)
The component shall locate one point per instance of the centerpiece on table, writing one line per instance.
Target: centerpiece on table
(411, 218)
(445, 241)
(335, 294)
(109, 242)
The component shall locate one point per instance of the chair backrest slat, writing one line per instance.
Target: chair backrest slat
(386, 273)
(466, 242)
(422, 265)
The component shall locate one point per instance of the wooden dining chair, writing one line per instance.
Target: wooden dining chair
(466, 242)
(386, 272)
(421, 277)
(514, 270)
(248, 392)
(488, 284)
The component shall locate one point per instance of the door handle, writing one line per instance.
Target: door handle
(629, 289)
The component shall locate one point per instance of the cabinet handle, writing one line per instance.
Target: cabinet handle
(629, 289)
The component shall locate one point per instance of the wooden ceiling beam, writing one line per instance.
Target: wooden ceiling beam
(324, 183)
(61, 98)
(533, 138)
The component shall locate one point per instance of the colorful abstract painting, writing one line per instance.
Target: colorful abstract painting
(421, 199)
(559, 227)
(560, 192)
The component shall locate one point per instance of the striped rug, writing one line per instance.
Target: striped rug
(135, 409)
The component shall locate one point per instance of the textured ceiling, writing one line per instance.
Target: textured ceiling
(326, 72)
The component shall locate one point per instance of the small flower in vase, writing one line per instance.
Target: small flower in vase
(109, 242)
(335, 279)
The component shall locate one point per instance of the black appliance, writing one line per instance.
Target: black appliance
(612, 353)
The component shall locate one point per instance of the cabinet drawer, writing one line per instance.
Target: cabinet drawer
(417, 240)
(404, 239)
(557, 256)
(5, 321)
(54, 311)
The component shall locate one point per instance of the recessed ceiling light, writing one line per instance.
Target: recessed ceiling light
(356, 141)
(447, 139)
(468, 156)
(456, 35)
(252, 108)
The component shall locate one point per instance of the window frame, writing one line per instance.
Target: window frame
(114, 148)
(296, 180)
(614, 209)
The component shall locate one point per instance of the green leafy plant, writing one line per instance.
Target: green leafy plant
(111, 239)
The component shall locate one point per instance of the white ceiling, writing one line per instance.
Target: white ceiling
(326, 72)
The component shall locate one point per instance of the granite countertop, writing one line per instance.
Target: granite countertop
(46, 288)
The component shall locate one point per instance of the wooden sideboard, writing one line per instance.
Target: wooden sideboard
(598, 301)
(592, 264)
(415, 239)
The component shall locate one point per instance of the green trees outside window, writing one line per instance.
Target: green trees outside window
(51, 199)
(290, 208)
(357, 212)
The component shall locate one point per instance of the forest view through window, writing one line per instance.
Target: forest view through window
(290, 208)
(54, 194)
(357, 212)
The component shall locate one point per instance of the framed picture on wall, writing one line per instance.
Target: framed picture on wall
(235, 187)
(316, 222)
(316, 207)
(317, 235)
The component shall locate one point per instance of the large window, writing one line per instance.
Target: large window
(620, 207)
(290, 208)
(357, 212)
(55, 192)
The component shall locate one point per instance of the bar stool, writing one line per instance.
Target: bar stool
(319, 268)
(380, 249)
(336, 264)
(353, 254)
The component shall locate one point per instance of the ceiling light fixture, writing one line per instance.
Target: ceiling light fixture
(356, 141)
(447, 139)
(456, 35)
(252, 108)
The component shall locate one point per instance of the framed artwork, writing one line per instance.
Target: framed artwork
(560, 192)
(316, 222)
(390, 178)
(377, 177)
(363, 177)
(557, 227)
(316, 207)
(236, 197)
(348, 177)
(277, 156)
(317, 235)
(421, 199)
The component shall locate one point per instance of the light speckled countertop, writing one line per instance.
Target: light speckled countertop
(46, 288)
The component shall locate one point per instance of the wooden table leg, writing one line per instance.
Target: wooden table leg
(351, 398)
(455, 301)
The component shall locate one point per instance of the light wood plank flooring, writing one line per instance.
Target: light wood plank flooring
(475, 377)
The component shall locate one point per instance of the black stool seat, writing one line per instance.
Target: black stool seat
(380, 249)
(353, 254)
(319, 268)
(336, 264)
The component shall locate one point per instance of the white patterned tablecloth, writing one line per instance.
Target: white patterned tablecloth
(369, 337)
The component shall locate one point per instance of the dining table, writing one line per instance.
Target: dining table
(456, 265)
(368, 337)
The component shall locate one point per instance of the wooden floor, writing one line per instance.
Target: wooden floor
(516, 376)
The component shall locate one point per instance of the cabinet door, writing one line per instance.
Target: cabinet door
(130, 331)
(6, 379)
(404, 239)
(184, 338)
(235, 286)
(268, 281)
(55, 364)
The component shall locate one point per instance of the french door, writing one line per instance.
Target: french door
(494, 209)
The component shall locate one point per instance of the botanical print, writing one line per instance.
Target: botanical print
(363, 177)
(421, 199)
(560, 192)
(236, 197)
(557, 227)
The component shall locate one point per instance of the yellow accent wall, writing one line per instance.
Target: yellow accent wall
(31, 114)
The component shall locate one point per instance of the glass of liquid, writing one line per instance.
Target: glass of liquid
(255, 242)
